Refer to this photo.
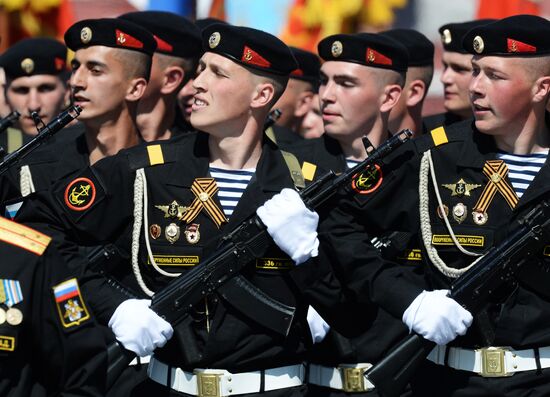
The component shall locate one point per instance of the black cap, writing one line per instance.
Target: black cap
(453, 33)
(203, 23)
(249, 47)
(308, 65)
(34, 56)
(175, 35)
(110, 32)
(368, 49)
(419, 47)
(519, 35)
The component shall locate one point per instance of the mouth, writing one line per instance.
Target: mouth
(198, 103)
(79, 100)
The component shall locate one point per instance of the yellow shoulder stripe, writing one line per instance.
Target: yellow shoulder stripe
(308, 171)
(439, 136)
(155, 154)
(23, 236)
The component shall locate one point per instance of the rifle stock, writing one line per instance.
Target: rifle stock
(248, 241)
(499, 265)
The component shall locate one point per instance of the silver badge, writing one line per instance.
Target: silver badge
(172, 233)
(479, 45)
(460, 212)
(336, 49)
(214, 39)
(86, 35)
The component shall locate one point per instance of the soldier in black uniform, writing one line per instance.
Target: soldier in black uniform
(174, 64)
(488, 173)
(49, 342)
(103, 131)
(297, 98)
(181, 197)
(35, 81)
(407, 113)
(456, 75)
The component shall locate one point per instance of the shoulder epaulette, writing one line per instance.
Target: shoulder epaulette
(145, 156)
(24, 237)
(438, 137)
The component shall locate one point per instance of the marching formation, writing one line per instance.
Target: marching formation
(198, 209)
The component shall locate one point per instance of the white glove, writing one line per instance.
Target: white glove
(318, 327)
(292, 226)
(138, 328)
(437, 317)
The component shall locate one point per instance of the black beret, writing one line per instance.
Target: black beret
(203, 23)
(249, 47)
(453, 33)
(175, 35)
(519, 35)
(419, 47)
(34, 56)
(368, 49)
(110, 32)
(308, 65)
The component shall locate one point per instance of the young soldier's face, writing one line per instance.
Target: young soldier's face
(312, 125)
(350, 98)
(99, 83)
(223, 93)
(501, 92)
(456, 76)
(42, 93)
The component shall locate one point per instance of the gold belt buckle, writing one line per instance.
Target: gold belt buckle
(208, 384)
(492, 362)
(353, 379)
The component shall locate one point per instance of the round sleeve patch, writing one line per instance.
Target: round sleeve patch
(80, 194)
(367, 181)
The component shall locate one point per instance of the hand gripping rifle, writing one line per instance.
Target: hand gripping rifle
(220, 272)
(472, 290)
(43, 135)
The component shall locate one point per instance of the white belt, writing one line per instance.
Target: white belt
(491, 361)
(347, 377)
(140, 360)
(219, 382)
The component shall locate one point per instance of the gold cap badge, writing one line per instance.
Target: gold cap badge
(27, 65)
(214, 39)
(446, 37)
(86, 35)
(337, 49)
(479, 45)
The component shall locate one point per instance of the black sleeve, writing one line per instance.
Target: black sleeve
(73, 357)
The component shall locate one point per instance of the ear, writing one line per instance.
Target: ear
(262, 96)
(541, 89)
(172, 79)
(391, 95)
(136, 89)
(303, 103)
(415, 93)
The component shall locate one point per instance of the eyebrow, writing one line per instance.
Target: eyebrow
(346, 77)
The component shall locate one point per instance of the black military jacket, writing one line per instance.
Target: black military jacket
(57, 348)
(97, 206)
(438, 120)
(519, 314)
(369, 330)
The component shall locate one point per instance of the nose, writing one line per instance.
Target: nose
(34, 103)
(446, 76)
(326, 92)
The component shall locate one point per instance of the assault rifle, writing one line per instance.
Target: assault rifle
(472, 290)
(220, 272)
(43, 135)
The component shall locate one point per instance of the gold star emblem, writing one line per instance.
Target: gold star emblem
(461, 188)
(173, 210)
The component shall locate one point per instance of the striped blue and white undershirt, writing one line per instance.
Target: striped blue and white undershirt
(231, 184)
(523, 168)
